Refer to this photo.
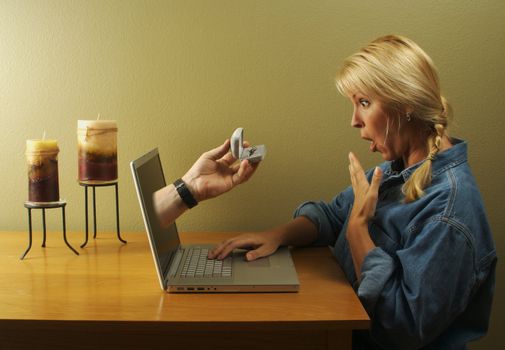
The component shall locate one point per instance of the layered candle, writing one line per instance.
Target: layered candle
(42, 160)
(97, 150)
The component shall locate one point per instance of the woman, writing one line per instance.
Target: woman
(412, 235)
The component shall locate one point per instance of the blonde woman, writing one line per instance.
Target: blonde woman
(411, 235)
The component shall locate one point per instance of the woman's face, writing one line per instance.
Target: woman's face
(376, 126)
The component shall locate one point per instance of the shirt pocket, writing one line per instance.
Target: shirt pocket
(388, 241)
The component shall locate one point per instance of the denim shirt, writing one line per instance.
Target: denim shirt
(429, 281)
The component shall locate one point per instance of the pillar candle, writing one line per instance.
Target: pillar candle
(97, 150)
(42, 160)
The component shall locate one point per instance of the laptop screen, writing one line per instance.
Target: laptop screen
(149, 178)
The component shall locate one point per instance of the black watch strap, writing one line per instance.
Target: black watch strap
(185, 193)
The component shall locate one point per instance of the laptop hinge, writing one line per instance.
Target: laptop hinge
(166, 265)
(173, 263)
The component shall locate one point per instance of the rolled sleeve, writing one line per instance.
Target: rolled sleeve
(329, 218)
(376, 270)
(315, 212)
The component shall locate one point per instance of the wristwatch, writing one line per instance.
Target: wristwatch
(185, 193)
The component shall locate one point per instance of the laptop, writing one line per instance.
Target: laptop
(185, 268)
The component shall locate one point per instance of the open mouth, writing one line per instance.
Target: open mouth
(373, 145)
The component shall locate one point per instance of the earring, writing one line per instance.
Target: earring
(408, 116)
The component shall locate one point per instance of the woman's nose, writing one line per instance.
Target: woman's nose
(356, 121)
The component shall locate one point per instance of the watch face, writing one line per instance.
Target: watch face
(178, 183)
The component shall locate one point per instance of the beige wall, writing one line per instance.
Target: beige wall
(181, 75)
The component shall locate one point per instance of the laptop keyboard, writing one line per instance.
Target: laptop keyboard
(197, 265)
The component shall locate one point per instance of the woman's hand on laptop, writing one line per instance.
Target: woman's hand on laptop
(260, 244)
(298, 232)
(217, 172)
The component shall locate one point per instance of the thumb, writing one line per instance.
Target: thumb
(376, 180)
(256, 253)
(218, 152)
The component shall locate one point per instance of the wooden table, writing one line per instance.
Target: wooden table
(109, 297)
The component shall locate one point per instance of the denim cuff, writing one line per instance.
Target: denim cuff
(376, 270)
(324, 232)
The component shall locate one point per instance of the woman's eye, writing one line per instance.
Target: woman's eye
(363, 102)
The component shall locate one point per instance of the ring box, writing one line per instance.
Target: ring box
(253, 154)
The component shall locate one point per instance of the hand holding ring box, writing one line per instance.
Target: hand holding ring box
(253, 154)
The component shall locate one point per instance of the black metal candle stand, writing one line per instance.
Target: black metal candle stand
(94, 185)
(45, 205)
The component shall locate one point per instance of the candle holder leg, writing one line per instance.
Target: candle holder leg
(85, 214)
(117, 214)
(44, 227)
(65, 231)
(29, 233)
(94, 185)
(94, 213)
(46, 205)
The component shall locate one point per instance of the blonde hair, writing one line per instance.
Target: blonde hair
(396, 71)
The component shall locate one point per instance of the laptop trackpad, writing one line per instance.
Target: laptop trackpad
(261, 262)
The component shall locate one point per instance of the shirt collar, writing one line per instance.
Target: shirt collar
(447, 159)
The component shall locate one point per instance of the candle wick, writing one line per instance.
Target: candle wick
(98, 118)
(44, 135)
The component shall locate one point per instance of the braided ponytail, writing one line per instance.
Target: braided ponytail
(421, 178)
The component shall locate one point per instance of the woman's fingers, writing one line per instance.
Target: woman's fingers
(357, 169)
(225, 248)
(258, 246)
(218, 249)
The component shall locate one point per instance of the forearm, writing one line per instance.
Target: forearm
(168, 205)
(298, 232)
(360, 244)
